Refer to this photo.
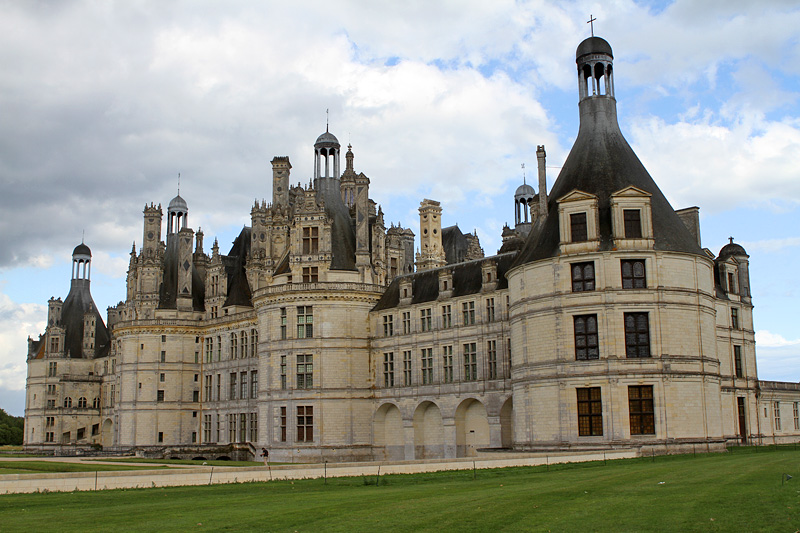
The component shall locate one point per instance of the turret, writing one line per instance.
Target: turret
(431, 254)
(280, 180)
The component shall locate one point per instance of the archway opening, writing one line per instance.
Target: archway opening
(472, 428)
(428, 432)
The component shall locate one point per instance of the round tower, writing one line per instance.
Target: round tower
(177, 215)
(81, 262)
(327, 149)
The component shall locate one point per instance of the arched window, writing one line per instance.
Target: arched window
(67, 402)
(244, 345)
(82, 403)
(96, 403)
(234, 347)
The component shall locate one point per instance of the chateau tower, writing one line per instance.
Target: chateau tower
(431, 254)
(281, 168)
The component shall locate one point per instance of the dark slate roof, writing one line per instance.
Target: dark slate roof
(593, 45)
(77, 303)
(343, 233)
(731, 249)
(455, 245)
(467, 279)
(82, 249)
(235, 262)
(168, 293)
(601, 163)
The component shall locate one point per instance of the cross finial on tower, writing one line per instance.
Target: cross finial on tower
(590, 22)
(523, 173)
(731, 239)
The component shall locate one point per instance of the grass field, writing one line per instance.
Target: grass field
(184, 462)
(717, 492)
(49, 467)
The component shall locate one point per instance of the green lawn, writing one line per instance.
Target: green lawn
(716, 492)
(183, 461)
(48, 467)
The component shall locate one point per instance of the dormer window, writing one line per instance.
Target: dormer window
(577, 226)
(633, 223)
(731, 283)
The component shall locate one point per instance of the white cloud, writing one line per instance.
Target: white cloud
(767, 339)
(17, 322)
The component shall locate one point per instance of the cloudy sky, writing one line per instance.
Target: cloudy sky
(102, 104)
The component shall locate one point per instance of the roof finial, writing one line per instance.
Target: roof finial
(523, 174)
(179, 183)
(590, 22)
(731, 239)
(83, 236)
(327, 119)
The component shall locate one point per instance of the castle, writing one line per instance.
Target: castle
(321, 335)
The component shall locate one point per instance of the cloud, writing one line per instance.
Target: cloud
(17, 322)
(767, 339)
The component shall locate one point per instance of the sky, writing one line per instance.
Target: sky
(103, 104)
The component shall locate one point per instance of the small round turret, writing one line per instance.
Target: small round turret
(732, 249)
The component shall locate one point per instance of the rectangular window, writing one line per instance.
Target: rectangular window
(407, 368)
(388, 369)
(283, 323)
(425, 319)
(406, 322)
(637, 335)
(196, 396)
(796, 413)
(219, 348)
(310, 241)
(470, 361)
(218, 428)
(283, 372)
(253, 342)
(253, 427)
(590, 412)
(447, 364)
(208, 385)
(737, 361)
(388, 325)
(447, 316)
(232, 388)
(305, 423)
(160, 396)
(427, 366)
(468, 310)
(578, 228)
(207, 428)
(641, 410)
(254, 384)
(310, 274)
(243, 427)
(586, 345)
(243, 336)
(50, 421)
(776, 412)
(634, 275)
(219, 389)
(632, 219)
(232, 418)
(113, 395)
(162, 377)
(305, 371)
(734, 318)
(243, 386)
(52, 369)
(491, 358)
(490, 309)
(731, 283)
(163, 356)
(305, 322)
(160, 436)
(51, 389)
(283, 424)
(50, 436)
(51, 404)
(582, 276)
(234, 347)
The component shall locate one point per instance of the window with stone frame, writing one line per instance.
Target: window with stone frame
(637, 335)
(407, 368)
(310, 240)
(582, 276)
(305, 423)
(632, 220)
(310, 274)
(731, 283)
(160, 395)
(578, 227)
(232, 419)
(82, 403)
(641, 410)
(283, 419)
(242, 427)
(425, 321)
(206, 428)
(52, 369)
(490, 310)
(737, 361)
(491, 358)
(283, 323)
(776, 412)
(234, 353)
(388, 325)
(796, 413)
(209, 349)
(283, 372)
(254, 384)
(243, 351)
(208, 385)
(232, 386)
(426, 358)
(243, 385)
(734, 318)
(470, 361)
(305, 322)
(388, 369)
(253, 427)
(253, 342)
(219, 388)
(305, 371)
(590, 412)
(218, 428)
(51, 404)
(406, 322)
(586, 340)
(468, 312)
(634, 274)
(447, 364)
(447, 316)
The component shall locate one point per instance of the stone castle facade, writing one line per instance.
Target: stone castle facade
(321, 335)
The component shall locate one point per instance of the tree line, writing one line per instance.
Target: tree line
(10, 428)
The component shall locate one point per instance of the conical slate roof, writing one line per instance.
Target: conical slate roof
(602, 163)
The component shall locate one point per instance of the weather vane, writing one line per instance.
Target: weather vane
(179, 183)
(523, 174)
(327, 119)
(590, 22)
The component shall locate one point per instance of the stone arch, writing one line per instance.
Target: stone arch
(507, 423)
(428, 432)
(107, 438)
(387, 432)
(472, 428)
